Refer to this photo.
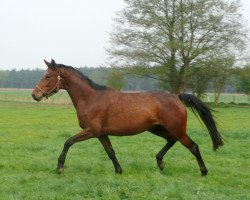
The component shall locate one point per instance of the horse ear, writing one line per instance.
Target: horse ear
(50, 65)
(47, 63)
(53, 63)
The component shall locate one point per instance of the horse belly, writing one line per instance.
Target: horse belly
(129, 124)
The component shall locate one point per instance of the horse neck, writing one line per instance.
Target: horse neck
(77, 88)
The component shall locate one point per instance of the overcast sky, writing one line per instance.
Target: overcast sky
(73, 32)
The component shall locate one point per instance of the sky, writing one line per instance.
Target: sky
(72, 32)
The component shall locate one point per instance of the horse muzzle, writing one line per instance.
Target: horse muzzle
(36, 98)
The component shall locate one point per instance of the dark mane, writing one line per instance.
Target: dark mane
(83, 77)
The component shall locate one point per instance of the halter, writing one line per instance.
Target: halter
(53, 90)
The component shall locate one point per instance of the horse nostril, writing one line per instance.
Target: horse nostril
(33, 95)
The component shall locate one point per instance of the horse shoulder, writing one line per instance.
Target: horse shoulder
(90, 113)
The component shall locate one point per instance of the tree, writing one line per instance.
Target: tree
(116, 79)
(174, 35)
(3, 75)
(244, 80)
(200, 77)
(221, 70)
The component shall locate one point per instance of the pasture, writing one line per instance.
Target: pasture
(24, 95)
(32, 136)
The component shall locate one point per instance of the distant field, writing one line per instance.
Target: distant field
(32, 137)
(228, 98)
(24, 95)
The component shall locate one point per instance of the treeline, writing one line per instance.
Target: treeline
(238, 80)
(29, 78)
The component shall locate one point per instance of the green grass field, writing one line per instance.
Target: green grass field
(32, 137)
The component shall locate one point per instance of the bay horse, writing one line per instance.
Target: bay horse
(103, 111)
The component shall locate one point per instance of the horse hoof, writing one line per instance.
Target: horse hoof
(118, 171)
(204, 173)
(161, 165)
(60, 170)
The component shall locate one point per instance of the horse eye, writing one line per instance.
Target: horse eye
(47, 77)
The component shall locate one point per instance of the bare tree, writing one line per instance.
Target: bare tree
(174, 35)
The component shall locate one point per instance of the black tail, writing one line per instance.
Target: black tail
(206, 116)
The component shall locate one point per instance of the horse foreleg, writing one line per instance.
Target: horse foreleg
(110, 151)
(83, 135)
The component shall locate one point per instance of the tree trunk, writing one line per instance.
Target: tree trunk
(216, 98)
(183, 76)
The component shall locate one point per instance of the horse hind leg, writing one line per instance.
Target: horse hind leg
(194, 149)
(162, 152)
(162, 132)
